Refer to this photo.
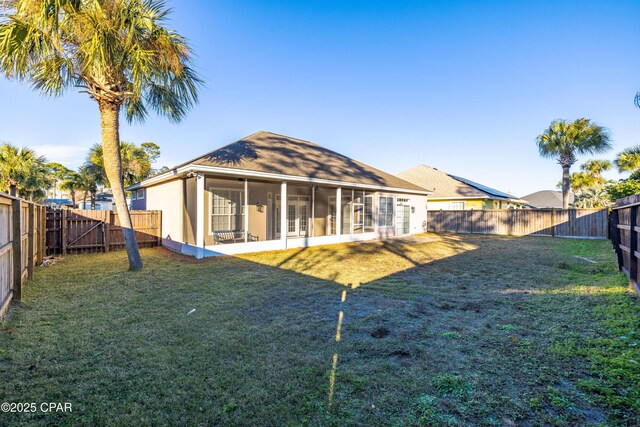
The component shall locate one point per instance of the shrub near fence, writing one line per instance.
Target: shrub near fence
(22, 245)
(580, 223)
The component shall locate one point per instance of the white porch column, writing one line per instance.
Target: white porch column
(246, 210)
(338, 211)
(200, 221)
(313, 210)
(283, 213)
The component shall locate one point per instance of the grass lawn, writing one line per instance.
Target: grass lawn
(433, 330)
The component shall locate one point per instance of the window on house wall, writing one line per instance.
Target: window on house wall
(368, 213)
(385, 211)
(132, 195)
(140, 194)
(227, 209)
(456, 206)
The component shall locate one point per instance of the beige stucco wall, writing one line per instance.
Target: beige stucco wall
(476, 204)
(168, 197)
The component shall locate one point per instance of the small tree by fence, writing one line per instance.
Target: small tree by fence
(22, 245)
(579, 223)
(86, 231)
(624, 237)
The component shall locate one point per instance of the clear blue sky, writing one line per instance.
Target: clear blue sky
(461, 86)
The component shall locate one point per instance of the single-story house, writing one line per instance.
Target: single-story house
(547, 199)
(452, 192)
(269, 192)
(104, 202)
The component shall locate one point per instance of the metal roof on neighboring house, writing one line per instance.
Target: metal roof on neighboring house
(547, 199)
(278, 156)
(445, 186)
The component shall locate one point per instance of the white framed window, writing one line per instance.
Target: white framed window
(368, 213)
(227, 209)
(456, 206)
(133, 195)
(140, 194)
(385, 211)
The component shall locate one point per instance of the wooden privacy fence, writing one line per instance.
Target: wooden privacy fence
(87, 231)
(22, 245)
(624, 236)
(581, 223)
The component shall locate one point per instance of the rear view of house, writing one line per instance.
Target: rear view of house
(452, 192)
(268, 191)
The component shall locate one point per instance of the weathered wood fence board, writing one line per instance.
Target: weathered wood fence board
(21, 245)
(87, 231)
(624, 237)
(580, 223)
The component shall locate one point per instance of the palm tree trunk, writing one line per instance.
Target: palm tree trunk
(566, 179)
(93, 200)
(109, 120)
(73, 199)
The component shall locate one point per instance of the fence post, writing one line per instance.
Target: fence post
(553, 222)
(63, 230)
(615, 236)
(159, 227)
(107, 230)
(633, 247)
(43, 233)
(16, 240)
(30, 241)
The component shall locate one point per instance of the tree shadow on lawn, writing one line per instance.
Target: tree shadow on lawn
(260, 345)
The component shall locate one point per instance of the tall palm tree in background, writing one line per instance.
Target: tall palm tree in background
(119, 53)
(89, 178)
(15, 166)
(629, 161)
(72, 183)
(36, 181)
(564, 141)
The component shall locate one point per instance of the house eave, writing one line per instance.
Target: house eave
(191, 168)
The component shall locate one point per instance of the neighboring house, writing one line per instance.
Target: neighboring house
(137, 200)
(452, 192)
(269, 191)
(104, 202)
(58, 203)
(547, 199)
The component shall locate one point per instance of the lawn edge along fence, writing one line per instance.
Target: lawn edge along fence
(22, 245)
(573, 223)
(74, 231)
(624, 237)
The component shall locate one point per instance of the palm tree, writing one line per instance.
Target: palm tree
(89, 178)
(596, 167)
(564, 141)
(15, 166)
(629, 161)
(594, 197)
(72, 183)
(118, 52)
(136, 164)
(36, 181)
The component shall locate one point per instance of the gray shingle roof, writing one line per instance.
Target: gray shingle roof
(282, 155)
(450, 186)
(546, 199)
